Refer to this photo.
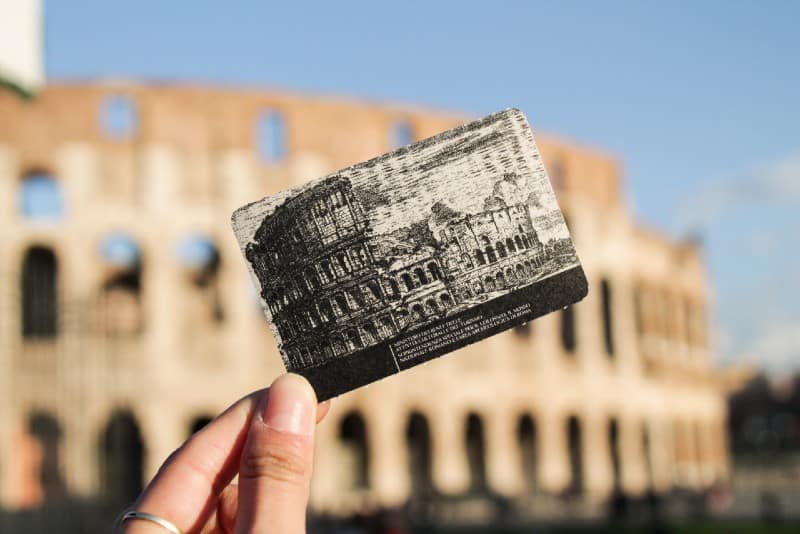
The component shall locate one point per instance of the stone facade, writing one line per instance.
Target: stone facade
(618, 391)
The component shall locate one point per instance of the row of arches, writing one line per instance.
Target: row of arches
(116, 305)
(415, 276)
(325, 310)
(313, 278)
(491, 253)
(370, 332)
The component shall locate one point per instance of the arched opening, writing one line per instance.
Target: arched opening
(325, 310)
(501, 280)
(198, 423)
(341, 303)
(608, 328)
(271, 136)
(327, 270)
(407, 281)
(40, 197)
(122, 459)
(418, 441)
(46, 430)
(518, 242)
(446, 300)
(568, 341)
(479, 257)
(431, 306)
(467, 261)
(119, 307)
(527, 439)
(488, 283)
(394, 287)
(200, 259)
(344, 263)
(354, 340)
(370, 333)
(417, 312)
(434, 271)
(119, 117)
(520, 271)
(614, 452)
(575, 450)
(490, 255)
(355, 448)
(510, 245)
(476, 453)
(39, 291)
(420, 274)
(501, 249)
(357, 297)
(374, 290)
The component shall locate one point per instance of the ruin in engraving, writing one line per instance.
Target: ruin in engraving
(385, 247)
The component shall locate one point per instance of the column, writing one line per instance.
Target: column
(632, 456)
(504, 461)
(554, 474)
(388, 458)
(450, 465)
(597, 454)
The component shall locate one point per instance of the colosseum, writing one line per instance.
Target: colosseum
(129, 318)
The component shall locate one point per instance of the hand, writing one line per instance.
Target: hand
(267, 438)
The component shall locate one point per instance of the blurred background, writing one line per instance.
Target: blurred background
(669, 398)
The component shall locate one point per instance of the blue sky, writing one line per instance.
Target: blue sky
(700, 100)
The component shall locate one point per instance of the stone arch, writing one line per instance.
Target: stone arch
(510, 245)
(435, 272)
(327, 270)
(520, 271)
(371, 335)
(525, 241)
(374, 290)
(446, 301)
(501, 280)
(527, 440)
(353, 339)
(387, 326)
(40, 196)
(489, 284)
(518, 241)
(312, 278)
(475, 443)
(510, 275)
(420, 457)
(417, 312)
(490, 254)
(355, 448)
(39, 293)
(501, 249)
(575, 455)
(479, 257)
(431, 306)
(420, 274)
(344, 262)
(325, 310)
(357, 296)
(407, 281)
(201, 262)
(341, 303)
(395, 287)
(121, 459)
(47, 432)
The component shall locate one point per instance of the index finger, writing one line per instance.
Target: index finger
(186, 488)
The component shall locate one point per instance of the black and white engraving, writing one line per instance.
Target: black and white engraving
(411, 254)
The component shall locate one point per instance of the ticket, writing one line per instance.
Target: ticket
(400, 259)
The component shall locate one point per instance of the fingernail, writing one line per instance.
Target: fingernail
(290, 406)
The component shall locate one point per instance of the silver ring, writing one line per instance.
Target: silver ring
(160, 521)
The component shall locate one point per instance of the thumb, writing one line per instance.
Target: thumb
(275, 469)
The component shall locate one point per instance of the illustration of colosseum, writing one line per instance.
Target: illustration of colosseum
(334, 287)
